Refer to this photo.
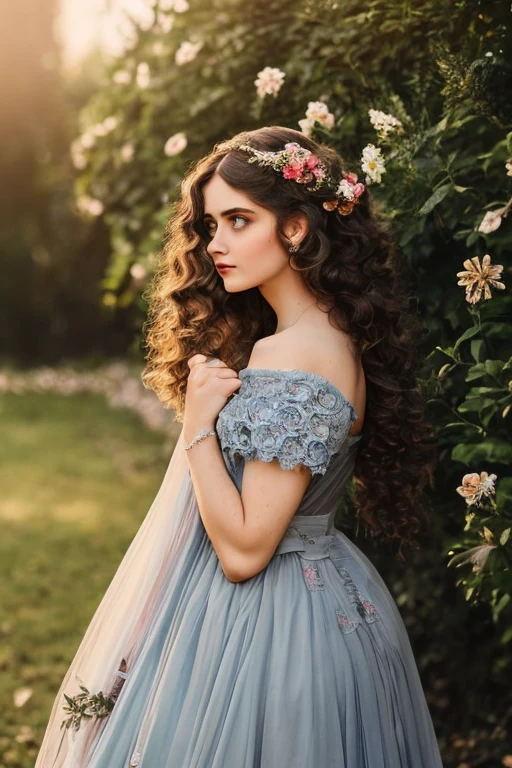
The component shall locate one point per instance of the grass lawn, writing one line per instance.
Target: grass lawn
(77, 479)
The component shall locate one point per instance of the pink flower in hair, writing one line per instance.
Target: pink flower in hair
(292, 173)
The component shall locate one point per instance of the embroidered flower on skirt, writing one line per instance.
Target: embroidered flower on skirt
(346, 625)
(312, 577)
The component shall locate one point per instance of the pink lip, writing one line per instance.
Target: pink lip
(221, 267)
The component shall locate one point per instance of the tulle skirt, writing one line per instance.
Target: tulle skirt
(306, 665)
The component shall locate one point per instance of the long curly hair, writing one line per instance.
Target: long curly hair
(352, 265)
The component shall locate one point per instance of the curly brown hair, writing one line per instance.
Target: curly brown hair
(352, 265)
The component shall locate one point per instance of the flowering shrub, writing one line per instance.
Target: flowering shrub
(414, 96)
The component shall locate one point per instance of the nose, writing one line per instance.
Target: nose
(216, 244)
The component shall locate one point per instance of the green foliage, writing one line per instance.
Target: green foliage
(84, 706)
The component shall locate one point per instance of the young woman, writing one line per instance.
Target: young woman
(242, 629)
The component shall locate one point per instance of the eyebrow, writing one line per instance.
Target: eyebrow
(230, 211)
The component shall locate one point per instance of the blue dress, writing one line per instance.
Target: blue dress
(305, 665)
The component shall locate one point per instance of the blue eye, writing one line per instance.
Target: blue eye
(210, 225)
(239, 218)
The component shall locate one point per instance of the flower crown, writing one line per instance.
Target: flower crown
(303, 167)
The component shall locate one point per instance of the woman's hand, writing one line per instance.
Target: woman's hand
(210, 384)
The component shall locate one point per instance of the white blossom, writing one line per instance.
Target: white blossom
(346, 190)
(269, 81)
(138, 272)
(127, 151)
(78, 156)
(142, 77)
(122, 77)
(175, 144)
(87, 140)
(165, 22)
(372, 164)
(187, 52)
(89, 205)
(306, 126)
(111, 122)
(508, 166)
(491, 221)
(319, 111)
(180, 6)
(383, 123)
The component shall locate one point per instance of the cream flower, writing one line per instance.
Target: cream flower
(138, 272)
(346, 190)
(475, 485)
(269, 81)
(491, 221)
(372, 164)
(508, 166)
(165, 22)
(110, 123)
(175, 144)
(307, 126)
(78, 156)
(127, 151)
(383, 123)
(178, 6)
(477, 279)
(142, 77)
(87, 139)
(89, 205)
(122, 77)
(187, 52)
(319, 111)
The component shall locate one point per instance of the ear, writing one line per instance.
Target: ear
(296, 228)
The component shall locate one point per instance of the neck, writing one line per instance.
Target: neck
(289, 297)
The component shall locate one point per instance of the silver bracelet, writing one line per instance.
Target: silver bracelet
(199, 437)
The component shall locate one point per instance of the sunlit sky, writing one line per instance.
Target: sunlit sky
(82, 24)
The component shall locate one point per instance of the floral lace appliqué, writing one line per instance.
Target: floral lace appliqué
(363, 606)
(346, 625)
(312, 576)
(294, 416)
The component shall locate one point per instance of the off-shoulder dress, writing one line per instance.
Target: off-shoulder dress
(307, 664)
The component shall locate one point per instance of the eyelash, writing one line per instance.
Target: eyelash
(231, 218)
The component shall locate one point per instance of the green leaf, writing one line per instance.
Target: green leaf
(478, 350)
(505, 536)
(496, 450)
(435, 199)
(468, 334)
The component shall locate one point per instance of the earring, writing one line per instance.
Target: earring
(293, 248)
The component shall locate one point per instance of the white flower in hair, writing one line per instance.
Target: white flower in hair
(372, 164)
(269, 81)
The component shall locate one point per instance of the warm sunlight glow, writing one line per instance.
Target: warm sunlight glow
(82, 26)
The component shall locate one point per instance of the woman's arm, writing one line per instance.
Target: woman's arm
(246, 528)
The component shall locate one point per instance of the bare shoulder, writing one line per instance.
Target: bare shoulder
(316, 347)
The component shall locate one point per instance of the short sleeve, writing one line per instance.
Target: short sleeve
(294, 416)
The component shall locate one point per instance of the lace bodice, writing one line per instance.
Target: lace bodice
(295, 416)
